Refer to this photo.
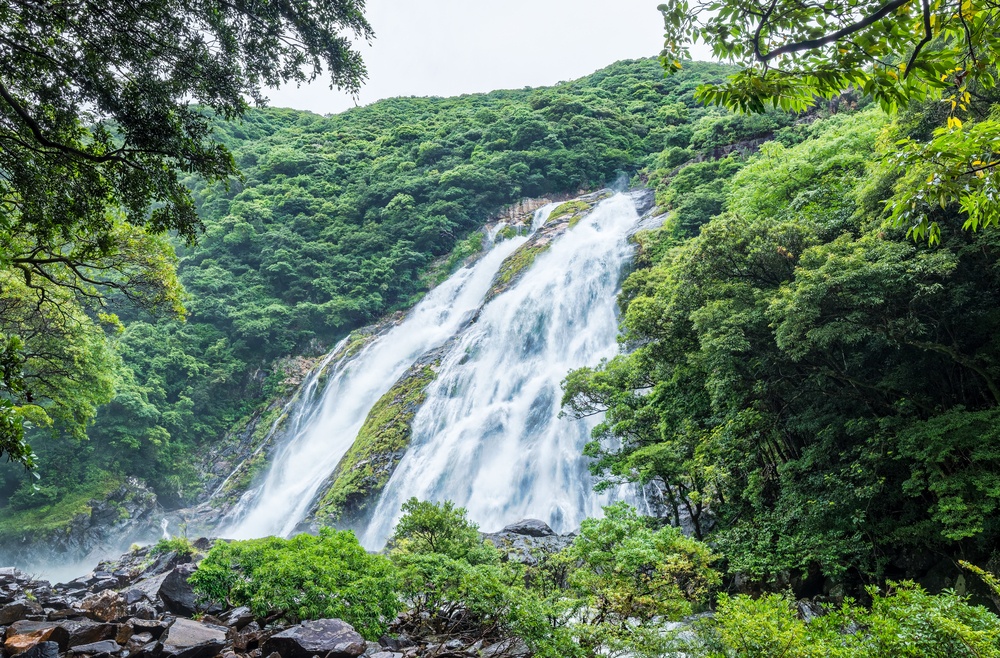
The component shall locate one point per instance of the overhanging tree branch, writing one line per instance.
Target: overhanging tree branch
(810, 44)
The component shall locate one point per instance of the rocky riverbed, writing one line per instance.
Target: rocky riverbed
(141, 606)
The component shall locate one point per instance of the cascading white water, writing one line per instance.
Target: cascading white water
(324, 434)
(489, 436)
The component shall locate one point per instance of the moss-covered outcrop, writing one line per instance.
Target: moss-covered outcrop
(381, 442)
(565, 216)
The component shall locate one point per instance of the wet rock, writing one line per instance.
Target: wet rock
(19, 610)
(42, 650)
(138, 641)
(65, 613)
(530, 528)
(32, 632)
(11, 575)
(152, 650)
(513, 648)
(105, 606)
(142, 611)
(248, 638)
(153, 627)
(87, 632)
(387, 654)
(331, 638)
(176, 593)
(237, 617)
(21, 642)
(809, 610)
(191, 639)
(102, 648)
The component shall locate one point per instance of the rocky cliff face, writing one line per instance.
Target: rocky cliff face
(128, 514)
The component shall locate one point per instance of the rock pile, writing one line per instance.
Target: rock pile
(141, 606)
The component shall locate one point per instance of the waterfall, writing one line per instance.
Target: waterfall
(323, 433)
(489, 435)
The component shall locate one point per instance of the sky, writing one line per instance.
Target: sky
(451, 47)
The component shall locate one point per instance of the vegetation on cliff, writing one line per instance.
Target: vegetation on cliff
(338, 221)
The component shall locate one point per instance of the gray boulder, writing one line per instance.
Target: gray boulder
(330, 638)
(191, 639)
(104, 647)
(530, 527)
(176, 593)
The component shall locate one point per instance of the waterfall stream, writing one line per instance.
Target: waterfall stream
(313, 448)
(489, 435)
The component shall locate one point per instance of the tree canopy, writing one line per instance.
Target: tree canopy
(899, 52)
(104, 108)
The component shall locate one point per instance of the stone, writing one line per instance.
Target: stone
(21, 642)
(108, 605)
(138, 641)
(513, 648)
(191, 639)
(65, 613)
(530, 527)
(238, 617)
(152, 626)
(42, 650)
(11, 575)
(124, 634)
(104, 647)
(87, 632)
(19, 610)
(142, 611)
(387, 654)
(152, 650)
(247, 638)
(330, 638)
(177, 593)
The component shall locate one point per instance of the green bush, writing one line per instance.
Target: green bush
(904, 622)
(627, 578)
(456, 584)
(305, 577)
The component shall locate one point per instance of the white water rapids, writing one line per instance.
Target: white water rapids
(489, 436)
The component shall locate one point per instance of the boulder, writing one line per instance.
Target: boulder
(21, 642)
(238, 617)
(11, 575)
(19, 610)
(108, 605)
(103, 648)
(176, 593)
(42, 650)
(85, 631)
(330, 638)
(530, 528)
(44, 631)
(191, 639)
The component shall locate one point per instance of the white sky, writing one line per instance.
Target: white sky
(450, 47)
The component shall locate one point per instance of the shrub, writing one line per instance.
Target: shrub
(305, 577)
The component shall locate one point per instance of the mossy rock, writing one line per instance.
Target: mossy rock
(577, 208)
(381, 442)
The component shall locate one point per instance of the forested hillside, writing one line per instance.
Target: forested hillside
(804, 383)
(339, 220)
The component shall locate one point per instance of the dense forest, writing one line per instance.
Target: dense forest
(339, 220)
